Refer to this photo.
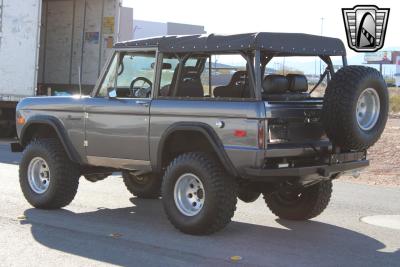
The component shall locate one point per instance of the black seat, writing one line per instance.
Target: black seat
(297, 83)
(292, 87)
(237, 87)
(190, 84)
(275, 84)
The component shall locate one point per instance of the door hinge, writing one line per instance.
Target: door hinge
(85, 143)
(86, 115)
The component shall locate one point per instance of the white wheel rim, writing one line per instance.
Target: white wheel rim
(39, 175)
(368, 109)
(189, 194)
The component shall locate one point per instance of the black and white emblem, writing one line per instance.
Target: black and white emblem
(365, 27)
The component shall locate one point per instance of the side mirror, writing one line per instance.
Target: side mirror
(112, 93)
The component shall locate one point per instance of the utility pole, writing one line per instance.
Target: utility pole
(322, 30)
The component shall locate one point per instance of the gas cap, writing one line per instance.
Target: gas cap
(220, 124)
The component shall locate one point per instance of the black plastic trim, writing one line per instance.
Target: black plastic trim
(16, 147)
(58, 128)
(208, 132)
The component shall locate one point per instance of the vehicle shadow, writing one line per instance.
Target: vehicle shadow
(7, 157)
(130, 235)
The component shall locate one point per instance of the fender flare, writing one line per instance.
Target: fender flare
(58, 128)
(208, 133)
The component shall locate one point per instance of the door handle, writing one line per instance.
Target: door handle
(143, 103)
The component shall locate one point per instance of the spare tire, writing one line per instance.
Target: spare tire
(355, 108)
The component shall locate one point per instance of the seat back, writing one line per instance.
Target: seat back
(190, 84)
(237, 87)
(297, 83)
(275, 84)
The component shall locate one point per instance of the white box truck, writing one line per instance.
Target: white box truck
(48, 46)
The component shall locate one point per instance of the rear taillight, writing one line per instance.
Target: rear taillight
(261, 134)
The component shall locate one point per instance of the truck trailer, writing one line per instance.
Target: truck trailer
(55, 47)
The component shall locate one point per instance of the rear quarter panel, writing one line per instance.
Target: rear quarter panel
(236, 115)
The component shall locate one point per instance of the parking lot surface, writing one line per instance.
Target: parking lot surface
(105, 225)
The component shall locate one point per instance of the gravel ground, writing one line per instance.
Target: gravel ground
(384, 157)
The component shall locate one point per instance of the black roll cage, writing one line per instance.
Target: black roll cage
(200, 65)
(254, 58)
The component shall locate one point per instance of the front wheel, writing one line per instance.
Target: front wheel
(48, 178)
(300, 204)
(198, 196)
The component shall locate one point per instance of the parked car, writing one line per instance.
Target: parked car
(198, 146)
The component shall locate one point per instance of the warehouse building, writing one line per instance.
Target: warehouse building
(145, 29)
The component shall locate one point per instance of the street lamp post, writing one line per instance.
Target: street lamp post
(322, 29)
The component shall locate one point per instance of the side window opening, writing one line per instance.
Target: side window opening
(229, 77)
(293, 78)
(108, 82)
(136, 75)
(206, 77)
(131, 75)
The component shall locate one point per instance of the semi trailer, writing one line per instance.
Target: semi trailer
(55, 47)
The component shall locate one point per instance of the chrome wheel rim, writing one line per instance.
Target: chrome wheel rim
(189, 194)
(39, 175)
(368, 109)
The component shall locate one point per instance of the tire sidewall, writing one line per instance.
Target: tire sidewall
(313, 201)
(131, 180)
(208, 210)
(151, 189)
(31, 152)
(371, 136)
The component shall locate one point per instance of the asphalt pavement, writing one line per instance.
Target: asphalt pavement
(105, 225)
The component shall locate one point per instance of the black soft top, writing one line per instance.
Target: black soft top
(274, 43)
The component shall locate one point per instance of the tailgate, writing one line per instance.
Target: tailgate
(295, 122)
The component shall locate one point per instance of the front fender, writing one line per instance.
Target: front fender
(27, 133)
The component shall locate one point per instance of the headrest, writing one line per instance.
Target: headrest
(275, 84)
(190, 72)
(297, 83)
(239, 77)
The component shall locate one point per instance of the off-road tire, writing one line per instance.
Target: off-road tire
(248, 196)
(94, 178)
(220, 194)
(340, 103)
(311, 203)
(147, 186)
(64, 179)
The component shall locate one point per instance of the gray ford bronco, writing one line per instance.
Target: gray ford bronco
(199, 134)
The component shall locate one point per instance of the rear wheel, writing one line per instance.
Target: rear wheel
(48, 178)
(144, 186)
(300, 204)
(198, 196)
